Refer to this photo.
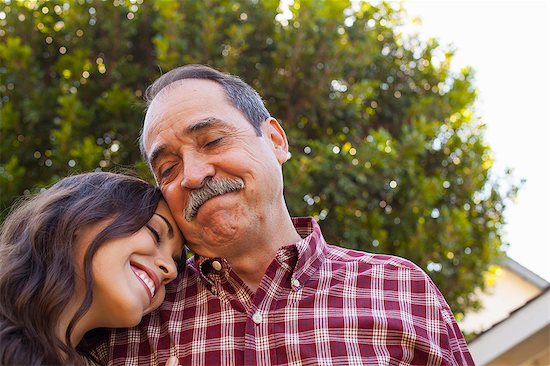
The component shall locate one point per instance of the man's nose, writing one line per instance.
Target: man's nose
(195, 172)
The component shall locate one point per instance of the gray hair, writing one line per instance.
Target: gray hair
(212, 187)
(241, 95)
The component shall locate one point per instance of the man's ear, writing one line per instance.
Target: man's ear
(275, 133)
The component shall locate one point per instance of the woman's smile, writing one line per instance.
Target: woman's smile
(147, 277)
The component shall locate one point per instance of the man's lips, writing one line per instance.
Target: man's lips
(207, 201)
(194, 212)
(147, 277)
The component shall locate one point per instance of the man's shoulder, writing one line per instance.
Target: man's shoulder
(382, 271)
(308, 227)
(384, 262)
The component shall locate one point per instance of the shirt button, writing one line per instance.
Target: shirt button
(214, 290)
(216, 265)
(295, 284)
(257, 317)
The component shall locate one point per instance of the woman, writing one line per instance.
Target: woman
(94, 250)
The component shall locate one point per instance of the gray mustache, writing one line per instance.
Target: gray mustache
(212, 187)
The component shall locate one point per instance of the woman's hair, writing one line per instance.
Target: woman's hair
(37, 259)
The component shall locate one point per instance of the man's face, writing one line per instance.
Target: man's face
(192, 134)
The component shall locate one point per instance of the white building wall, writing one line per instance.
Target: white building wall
(509, 292)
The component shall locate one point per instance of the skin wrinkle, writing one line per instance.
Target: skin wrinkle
(212, 187)
(199, 130)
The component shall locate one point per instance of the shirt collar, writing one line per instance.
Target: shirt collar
(310, 250)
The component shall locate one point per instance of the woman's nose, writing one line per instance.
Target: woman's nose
(167, 267)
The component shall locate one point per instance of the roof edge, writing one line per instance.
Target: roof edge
(525, 273)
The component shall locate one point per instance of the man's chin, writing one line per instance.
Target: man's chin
(216, 225)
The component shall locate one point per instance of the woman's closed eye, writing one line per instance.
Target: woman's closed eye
(155, 233)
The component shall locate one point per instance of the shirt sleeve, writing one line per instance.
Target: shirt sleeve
(453, 346)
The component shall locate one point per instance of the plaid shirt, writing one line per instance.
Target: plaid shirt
(317, 304)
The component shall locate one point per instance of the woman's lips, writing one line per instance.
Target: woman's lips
(146, 277)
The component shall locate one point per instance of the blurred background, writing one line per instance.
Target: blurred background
(507, 43)
(417, 129)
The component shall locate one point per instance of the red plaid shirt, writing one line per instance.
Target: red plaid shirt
(317, 304)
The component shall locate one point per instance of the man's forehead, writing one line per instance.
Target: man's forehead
(189, 90)
(173, 102)
(182, 92)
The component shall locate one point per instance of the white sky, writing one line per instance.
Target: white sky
(508, 44)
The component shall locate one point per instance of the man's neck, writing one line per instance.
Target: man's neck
(251, 263)
(251, 269)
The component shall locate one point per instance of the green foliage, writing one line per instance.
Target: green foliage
(386, 151)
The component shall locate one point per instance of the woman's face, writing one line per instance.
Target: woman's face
(130, 273)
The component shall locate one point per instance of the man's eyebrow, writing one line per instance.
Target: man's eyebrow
(195, 128)
(156, 154)
(205, 123)
(170, 228)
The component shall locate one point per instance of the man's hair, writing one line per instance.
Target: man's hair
(241, 95)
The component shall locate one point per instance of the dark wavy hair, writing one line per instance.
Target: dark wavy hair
(37, 259)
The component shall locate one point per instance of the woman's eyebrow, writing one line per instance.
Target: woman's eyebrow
(170, 228)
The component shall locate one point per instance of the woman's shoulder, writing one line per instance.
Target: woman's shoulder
(89, 362)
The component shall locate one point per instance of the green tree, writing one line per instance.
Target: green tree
(386, 150)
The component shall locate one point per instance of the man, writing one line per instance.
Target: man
(265, 288)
